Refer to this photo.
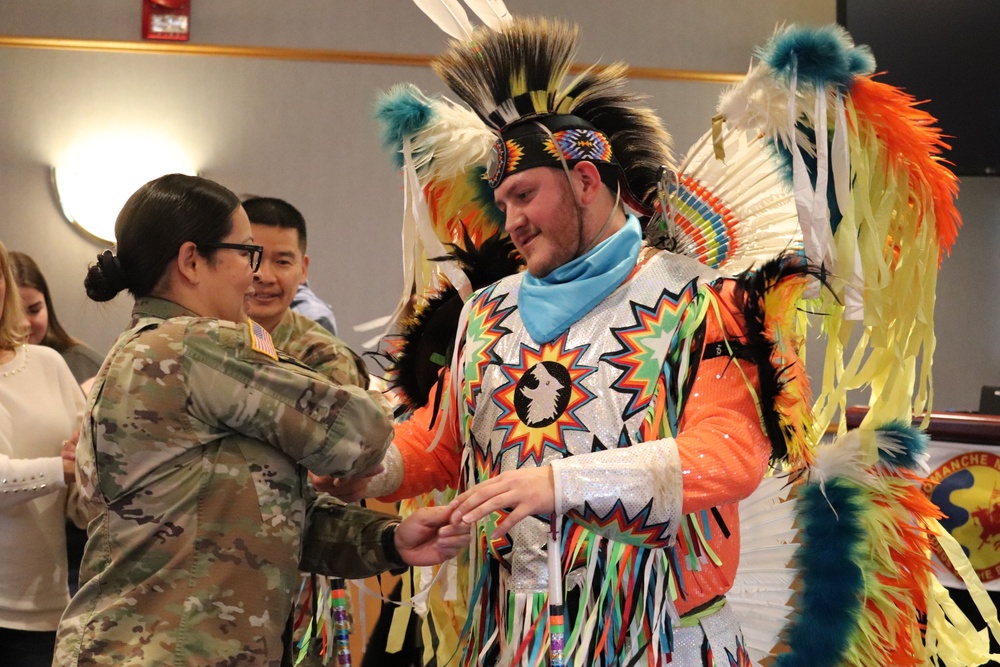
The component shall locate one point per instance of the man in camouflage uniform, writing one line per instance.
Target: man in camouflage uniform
(206, 465)
(281, 229)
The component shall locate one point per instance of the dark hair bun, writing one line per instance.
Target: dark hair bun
(105, 279)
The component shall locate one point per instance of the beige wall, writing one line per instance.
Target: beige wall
(302, 130)
(292, 129)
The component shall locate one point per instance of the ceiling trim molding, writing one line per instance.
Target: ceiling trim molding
(313, 55)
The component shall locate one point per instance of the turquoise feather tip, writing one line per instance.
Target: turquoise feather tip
(820, 56)
(903, 445)
(401, 112)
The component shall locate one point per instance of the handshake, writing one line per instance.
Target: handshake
(429, 536)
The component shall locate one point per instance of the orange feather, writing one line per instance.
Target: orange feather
(913, 143)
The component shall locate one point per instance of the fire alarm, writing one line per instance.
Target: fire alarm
(166, 19)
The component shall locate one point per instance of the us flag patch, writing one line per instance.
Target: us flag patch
(260, 340)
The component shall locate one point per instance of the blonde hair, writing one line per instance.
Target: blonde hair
(12, 329)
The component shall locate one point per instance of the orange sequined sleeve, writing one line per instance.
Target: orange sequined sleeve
(723, 449)
(425, 470)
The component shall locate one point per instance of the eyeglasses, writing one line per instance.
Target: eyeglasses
(254, 253)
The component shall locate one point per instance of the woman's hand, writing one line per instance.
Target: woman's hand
(428, 537)
(522, 492)
(69, 458)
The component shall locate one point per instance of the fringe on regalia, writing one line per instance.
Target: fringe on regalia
(615, 606)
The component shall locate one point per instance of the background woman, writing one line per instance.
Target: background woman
(83, 362)
(39, 406)
(193, 457)
(46, 330)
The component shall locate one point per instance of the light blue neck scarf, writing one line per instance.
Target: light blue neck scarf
(551, 305)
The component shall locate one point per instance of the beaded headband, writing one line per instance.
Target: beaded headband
(527, 145)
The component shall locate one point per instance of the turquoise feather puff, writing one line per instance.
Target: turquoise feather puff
(907, 445)
(820, 56)
(402, 111)
(832, 582)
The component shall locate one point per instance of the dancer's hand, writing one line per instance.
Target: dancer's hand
(522, 492)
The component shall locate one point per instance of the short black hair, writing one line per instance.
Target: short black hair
(274, 212)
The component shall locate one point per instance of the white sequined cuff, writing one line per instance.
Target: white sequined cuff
(623, 493)
(390, 478)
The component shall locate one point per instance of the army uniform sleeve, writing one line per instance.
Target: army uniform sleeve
(309, 343)
(348, 541)
(336, 361)
(327, 428)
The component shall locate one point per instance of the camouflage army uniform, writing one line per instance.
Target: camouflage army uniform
(310, 343)
(317, 348)
(191, 463)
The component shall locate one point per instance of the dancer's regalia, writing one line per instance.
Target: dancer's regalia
(667, 400)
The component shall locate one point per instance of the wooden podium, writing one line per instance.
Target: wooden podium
(948, 426)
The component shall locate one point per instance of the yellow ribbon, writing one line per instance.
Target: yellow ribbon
(955, 640)
(717, 143)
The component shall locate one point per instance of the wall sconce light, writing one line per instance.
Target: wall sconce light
(91, 197)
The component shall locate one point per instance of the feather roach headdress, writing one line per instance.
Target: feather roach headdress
(513, 78)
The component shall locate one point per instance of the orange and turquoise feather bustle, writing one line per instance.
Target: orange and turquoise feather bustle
(867, 592)
(875, 203)
(440, 147)
(452, 234)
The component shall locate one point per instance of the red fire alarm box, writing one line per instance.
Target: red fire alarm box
(166, 19)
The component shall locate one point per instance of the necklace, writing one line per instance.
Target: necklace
(24, 363)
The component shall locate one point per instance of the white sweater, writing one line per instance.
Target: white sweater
(40, 403)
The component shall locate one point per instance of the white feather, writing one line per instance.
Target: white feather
(449, 16)
(492, 13)
(851, 456)
(454, 141)
(759, 103)
(749, 184)
(762, 590)
(844, 457)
